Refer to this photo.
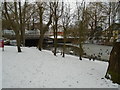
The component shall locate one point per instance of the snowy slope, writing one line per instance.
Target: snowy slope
(0, 68)
(35, 69)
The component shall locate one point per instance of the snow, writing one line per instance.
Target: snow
(118, 40)
(59, 37)
(35, 69)
(0, 68)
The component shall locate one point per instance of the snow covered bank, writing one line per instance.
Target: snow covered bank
(35, 69)
(0, 68)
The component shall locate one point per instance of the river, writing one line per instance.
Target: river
(101, 52)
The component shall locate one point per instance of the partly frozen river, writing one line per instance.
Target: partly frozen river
(99, 50)
(102, 52)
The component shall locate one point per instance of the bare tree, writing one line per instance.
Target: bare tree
(111, 9)
(15, 15)
(43, 27)
(57, 9)
(66, 18)
(81, 25)
(14, 23)
(23, 10)
(96, 12)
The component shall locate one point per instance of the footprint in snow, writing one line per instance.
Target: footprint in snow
(89, 73)
(102, 78)
(101, 84)
(92, 69)
(113, 85)
(70, 85)
(63, 81)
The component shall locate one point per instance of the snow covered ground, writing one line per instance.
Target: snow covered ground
(0, 68)
(35, 69)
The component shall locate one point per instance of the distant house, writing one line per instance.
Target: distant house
(113, 31)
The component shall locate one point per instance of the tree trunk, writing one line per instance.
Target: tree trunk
(80, 41)
(40, 41)
(55, 40)
(64, 47)
(64, 50)
(114, 64)
(18, 42)
(80, 51)
(55, 44)
(23, 36)
(15, 25)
